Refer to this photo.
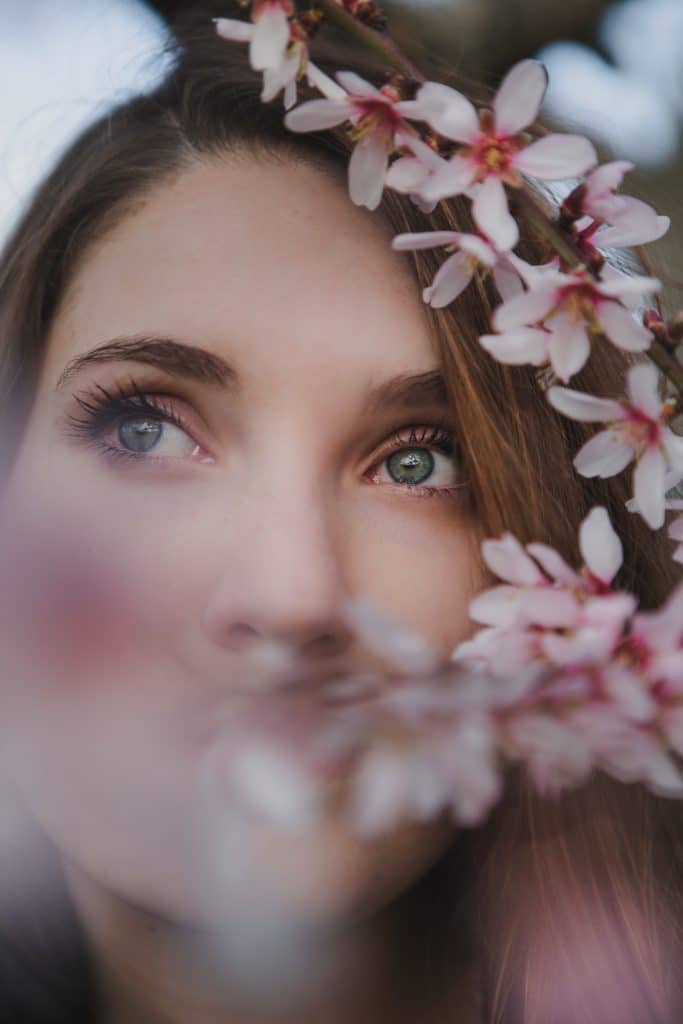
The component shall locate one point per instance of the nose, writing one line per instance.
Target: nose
(282, 577)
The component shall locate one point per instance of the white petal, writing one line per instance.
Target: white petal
(271, 35)
(367, 167)
(356, 85)
(289, 98)
(648, 487)
(615, 237)
(568, 346)
(552, 608)
(525, 309)
(606, 178)
(275, 79)
(553, 564)
(424, 239)
(577, 648)
(451, 179)
(450, 280)
(492, 216)
(585, 408)
(407, 174)
(448, 111)
(642, 381)
(517, 348)
(423, 204)
(557, 156)
(507, 281)
(232, 28)
(519, 97)
(477, 247)
(323, 83)
(508, 560)
(600, 545)
(622, 328)
(628, 287)
(316, 115)
(673, 446)
(676, 529)
(604, 455)
(498, 606)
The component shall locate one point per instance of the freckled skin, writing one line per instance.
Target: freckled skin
(271, 267)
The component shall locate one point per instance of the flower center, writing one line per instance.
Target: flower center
(492, 155)
(377, 117)
(639, 430)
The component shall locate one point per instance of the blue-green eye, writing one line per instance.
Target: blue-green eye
(142, 434)
(411, 466)
(425, 461)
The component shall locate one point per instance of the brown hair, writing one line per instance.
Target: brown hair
(567, 910)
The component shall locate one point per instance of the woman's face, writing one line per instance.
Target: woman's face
(211, 460)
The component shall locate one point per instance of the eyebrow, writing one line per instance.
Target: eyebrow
(409, 391)
(174, 357)
(181, 360)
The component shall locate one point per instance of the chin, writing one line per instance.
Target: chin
(320, 877)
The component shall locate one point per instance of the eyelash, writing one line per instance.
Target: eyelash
(438, 437)
(102, 409)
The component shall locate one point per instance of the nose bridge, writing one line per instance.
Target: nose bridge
(295, 536)
(282, 575)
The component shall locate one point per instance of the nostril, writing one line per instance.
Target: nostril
(325, 645)
(238, 636)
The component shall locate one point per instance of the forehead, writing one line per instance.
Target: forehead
(266, 263)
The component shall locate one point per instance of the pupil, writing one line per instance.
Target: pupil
(411, 466)
(140, 435)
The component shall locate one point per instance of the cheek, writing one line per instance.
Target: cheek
(421, 564)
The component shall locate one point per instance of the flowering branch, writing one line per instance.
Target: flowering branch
(565, 674)
(381, 43)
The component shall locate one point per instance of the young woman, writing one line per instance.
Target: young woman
(213, 368)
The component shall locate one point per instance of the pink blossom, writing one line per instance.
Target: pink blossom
(292, 58)
(553, 320)
(377, 116)
(552, 616)
(411, 170)
(636, 429)
(495, 149)
(545, 613)
(614, 220)
(469, 252)
(268, 34)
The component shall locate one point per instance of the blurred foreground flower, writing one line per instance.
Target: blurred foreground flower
(566, 677)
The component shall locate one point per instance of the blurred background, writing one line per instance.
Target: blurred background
(615, 67)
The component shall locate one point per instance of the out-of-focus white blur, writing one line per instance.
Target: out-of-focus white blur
(62, 64)
(633, 105)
